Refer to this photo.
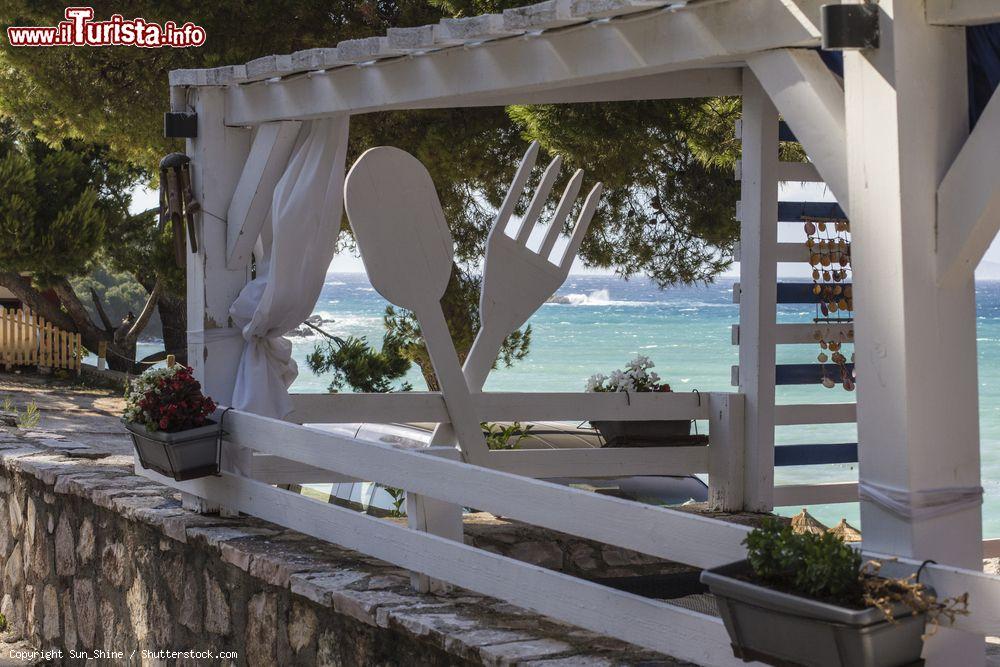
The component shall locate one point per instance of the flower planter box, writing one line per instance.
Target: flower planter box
(183, 455)
(652, 433)
(779, 628)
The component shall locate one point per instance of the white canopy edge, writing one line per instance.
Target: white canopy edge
(495, 58)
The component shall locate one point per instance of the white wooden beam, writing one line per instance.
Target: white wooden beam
(968, 201)
(811, 100)
(758, 288)
(791, 495)
(962, 12)
(815, 413)
(918, 413)
(602, 462)
(702, 34)
(251, 203)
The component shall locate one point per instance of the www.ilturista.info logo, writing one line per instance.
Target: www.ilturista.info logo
(79, 29)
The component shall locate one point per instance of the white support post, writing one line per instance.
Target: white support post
(726, 452)
(918, 420)
(758, 288)
(215, 346)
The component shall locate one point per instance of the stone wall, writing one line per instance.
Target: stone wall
(95, 558)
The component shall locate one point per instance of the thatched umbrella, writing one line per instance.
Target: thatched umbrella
(804, 522)
(846, 531)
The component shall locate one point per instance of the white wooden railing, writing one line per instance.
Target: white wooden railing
(675, 535)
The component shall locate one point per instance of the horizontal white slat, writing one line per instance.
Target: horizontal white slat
(276, 470)
(962, 12)
(815, 413)
(698, 35)
(798, 171)
(601, 462)
(791, 253)
(692, 539)
(471, 29)
(790, 334)
(596, 9)
(642, 621)
(949, 581)
(415, 406)
(541, 16)
(815, 494)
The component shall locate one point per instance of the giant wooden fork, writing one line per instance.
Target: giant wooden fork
(516, 279)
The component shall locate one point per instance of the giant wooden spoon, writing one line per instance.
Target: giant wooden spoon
(407, 251)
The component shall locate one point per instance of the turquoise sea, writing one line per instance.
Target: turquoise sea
(686, 332)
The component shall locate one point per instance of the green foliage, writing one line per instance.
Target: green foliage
(57, 204)
(398, 501)
(499, 436)
(30, 418)
(358, 366)
(819, 566)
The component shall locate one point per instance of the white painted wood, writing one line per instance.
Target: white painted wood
(315, 59)
(251, 203)
(962, 12)
(600, 462)
(410, 265)
(698, 35)
(641, 621)
(968, 200)
(790, 495)
(269, 66)
(694, 539)
(907, 119)
(276, 470)
(803, 172)
(541, 16)
(757, 289)
(470, 30)
(811, 100)
(726, 453)
(597, 9)
(436, 517)
(951, 581)
(791, 333)
(815, 413)
(791, 253)
(416, 406)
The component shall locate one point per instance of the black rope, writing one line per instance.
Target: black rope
(922, 566)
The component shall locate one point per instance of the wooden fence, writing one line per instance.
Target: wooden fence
(28, 340)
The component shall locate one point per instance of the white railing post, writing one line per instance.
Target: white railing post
(726, 458)
(217, 155)
(915, 341)
(758, 213)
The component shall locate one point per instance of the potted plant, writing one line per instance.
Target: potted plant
(806, 599)
(637, 377)
(169, 420)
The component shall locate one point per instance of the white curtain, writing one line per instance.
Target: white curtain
(304, 223)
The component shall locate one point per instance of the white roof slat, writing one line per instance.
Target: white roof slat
(599, 9)
(542, 16)
(481, 28)
(366, 49)
(215, 76)
(412, 39)
(315, 59)
(268, 67)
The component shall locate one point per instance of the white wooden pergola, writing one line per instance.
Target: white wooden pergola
(891, 140)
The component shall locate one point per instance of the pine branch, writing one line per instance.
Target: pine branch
(147, 312)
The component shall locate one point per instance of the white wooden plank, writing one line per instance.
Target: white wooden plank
(315, 59)
(791, 253)
(698, 35)
(406, 407)
(726, 453)
(472, 29)
(365, 49)
(276, 470)
(803, 172)
(815, 413)
(597, 9)
(254, 192)
(541, 16)
(951, 581)
(962, 12)
(790, 495)
(758, 288)
(811, 100)
(693, 539)
(968, 200)
(268, 67)
(903, 134)
(602, 462)
(789, 333)
(641, 621)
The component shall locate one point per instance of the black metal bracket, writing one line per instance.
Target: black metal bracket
(180, 125)
(849, 27)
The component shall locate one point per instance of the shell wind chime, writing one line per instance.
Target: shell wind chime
(829, 245)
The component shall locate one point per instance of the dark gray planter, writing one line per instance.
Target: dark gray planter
(778, 628)
(652, 433)
(183, 455)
